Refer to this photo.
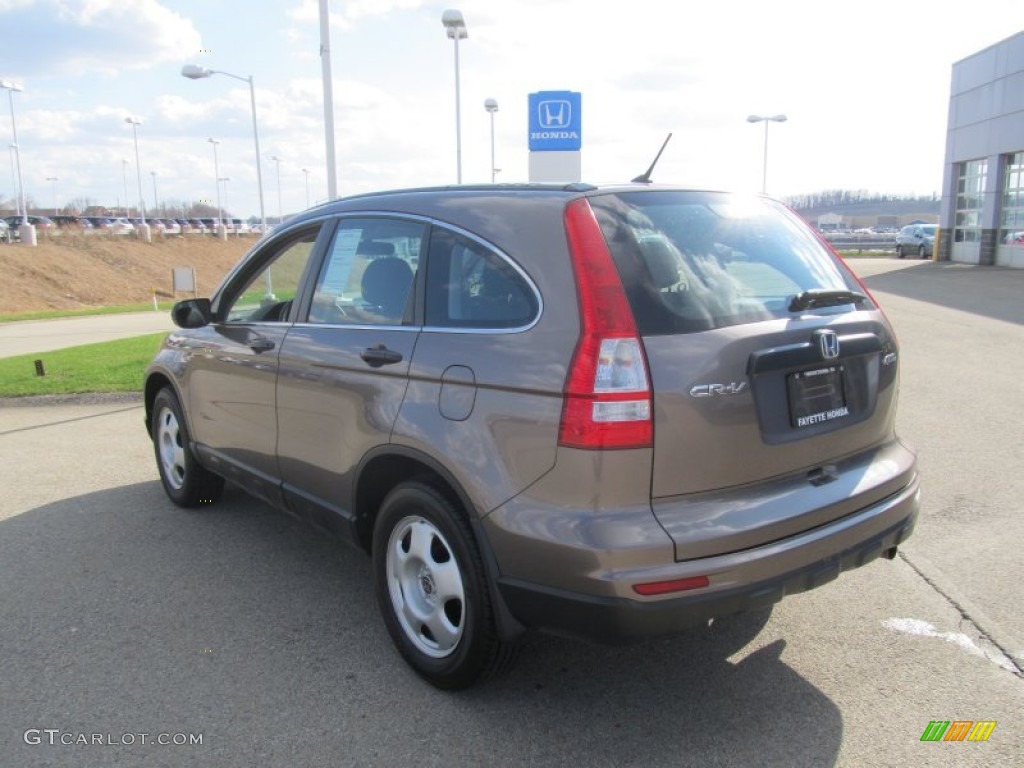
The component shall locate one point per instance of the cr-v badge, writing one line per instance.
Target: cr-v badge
(714, 390)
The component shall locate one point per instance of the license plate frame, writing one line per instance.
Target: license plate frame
(816, 396)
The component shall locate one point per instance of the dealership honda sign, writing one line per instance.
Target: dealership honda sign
(555, 123)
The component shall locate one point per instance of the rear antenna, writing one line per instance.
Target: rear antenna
(645, 178)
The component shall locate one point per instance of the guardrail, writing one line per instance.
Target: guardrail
(862, 243)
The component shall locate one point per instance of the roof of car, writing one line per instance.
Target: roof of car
(563, 190)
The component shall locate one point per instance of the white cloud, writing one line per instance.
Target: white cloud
(69, 37)
(351, 12)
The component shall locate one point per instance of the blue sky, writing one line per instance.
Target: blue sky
(865, 87)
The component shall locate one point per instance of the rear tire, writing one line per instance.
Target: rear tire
(899, 252)
(921, 253)
(432, 589)
(186, 482)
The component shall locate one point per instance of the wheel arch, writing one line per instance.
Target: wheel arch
(155, 381)
(385, 468)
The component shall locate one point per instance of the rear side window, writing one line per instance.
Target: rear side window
(469, 286)
(693, 261)
(369, 273)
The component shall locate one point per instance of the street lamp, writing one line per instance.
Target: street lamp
(26, 232)
(280, 214)
(221, 232)
(194, 72)
(156, 203)
(306, 171)
(765, 119)
(455, 26)
(53, 180)
(142, 230)
(491, 105)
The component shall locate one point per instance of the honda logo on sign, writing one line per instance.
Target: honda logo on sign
(828, 342)
(554, 115)
(555, 124)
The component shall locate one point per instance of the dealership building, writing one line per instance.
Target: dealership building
(982, 217)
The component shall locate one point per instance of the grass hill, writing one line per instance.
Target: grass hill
(79, 272)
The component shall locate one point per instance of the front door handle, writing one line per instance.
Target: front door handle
(380, 355)
(261, 344)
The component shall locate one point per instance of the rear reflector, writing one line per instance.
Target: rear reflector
(673, 585)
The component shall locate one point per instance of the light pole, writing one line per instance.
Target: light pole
(491, 105)
(26, 232)
(53, 180)
(224, 180)
(306, 171)
(455, 26)
(156, 203)
(220, 231)
(325, 69)
(194, 72)
(14, 180)
(280, 214)
(142, 229)
(124, 179)
(765, 119)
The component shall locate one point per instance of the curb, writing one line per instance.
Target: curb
(83, 398)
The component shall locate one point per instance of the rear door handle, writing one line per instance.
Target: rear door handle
(261, 344)
(380, 355)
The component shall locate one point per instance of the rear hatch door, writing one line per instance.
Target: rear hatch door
(773, 372)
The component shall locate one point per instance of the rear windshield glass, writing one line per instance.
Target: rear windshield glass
(693, 261)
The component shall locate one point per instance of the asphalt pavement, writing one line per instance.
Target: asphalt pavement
(122, 615)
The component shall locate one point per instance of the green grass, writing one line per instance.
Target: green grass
(49, 314)
(110, 366)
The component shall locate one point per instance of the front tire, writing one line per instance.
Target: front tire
(899, 251)
(921, 253)
(186, 482)
(432, 588)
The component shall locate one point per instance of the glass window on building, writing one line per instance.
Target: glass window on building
(970, 191)
(1011, 221)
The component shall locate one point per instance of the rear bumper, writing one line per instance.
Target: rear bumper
(739, 581)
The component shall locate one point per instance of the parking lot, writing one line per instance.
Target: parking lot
(123, 615)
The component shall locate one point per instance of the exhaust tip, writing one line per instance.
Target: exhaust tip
(890, 553)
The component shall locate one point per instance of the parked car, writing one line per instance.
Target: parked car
(5, 231)
(184, 226)
(240, 227)
(121, 226)
(63, 221)
(198, 226)
(605, 412)
(43, 224)
(916, 238)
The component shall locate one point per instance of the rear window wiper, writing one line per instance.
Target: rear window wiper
(820, 297)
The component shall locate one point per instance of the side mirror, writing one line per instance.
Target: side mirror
(192, 313)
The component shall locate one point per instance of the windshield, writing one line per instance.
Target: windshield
(692, 261)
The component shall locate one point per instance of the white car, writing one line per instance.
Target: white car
(121, 226)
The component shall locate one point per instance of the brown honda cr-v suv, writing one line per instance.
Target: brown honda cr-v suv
(606, 412)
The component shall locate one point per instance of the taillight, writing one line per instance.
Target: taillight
(607, 396)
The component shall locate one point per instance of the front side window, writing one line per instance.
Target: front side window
(970, 192)
(1011, 219)
(471, 286)
(692, 261)
(369, 273)
(267, 295)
